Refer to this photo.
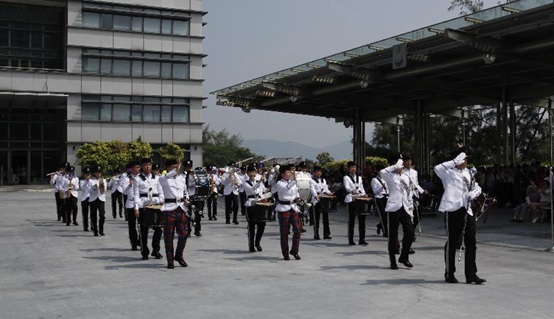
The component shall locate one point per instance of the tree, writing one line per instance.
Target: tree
(219, 148)
(96, 153)
(324, 158)
(469, 6)
(139, 149)
(171, 151)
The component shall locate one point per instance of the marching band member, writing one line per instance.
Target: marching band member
(414, 184)
(70, 187)
(215, 181)
(381, 193)
(126, 181)
(146, 190)
(54, 177)
(459, 189)
(231, 182)
(174, 210)
(354, 187)
(117, 193)
(242, 195)
(97, 201)
(254, 189)
(288, 212)
(400, 209)
(84, 197)
(318, 187)
(156, 170)
(190, 181)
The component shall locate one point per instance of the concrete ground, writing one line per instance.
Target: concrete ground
(49, 270)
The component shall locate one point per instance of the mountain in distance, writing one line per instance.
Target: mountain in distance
(280, 149)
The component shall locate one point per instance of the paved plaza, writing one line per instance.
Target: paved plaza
(49, 270)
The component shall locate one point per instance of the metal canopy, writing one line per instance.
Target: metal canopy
(505, 52)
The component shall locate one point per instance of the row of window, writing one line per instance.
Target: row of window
(121, 67)
(136, 99)
(116, 22)
(108, 112)
(135, 54)
(140, 10)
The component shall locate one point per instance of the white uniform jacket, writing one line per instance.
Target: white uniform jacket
(227, 182)
(253, 188)
(146, 190)
(114, 185)
(318, 186)
(400, 192)
(459, 187)
(353, 183)
(286, 191)
(73, 182)
(379, 187)
(95, 191)
(85, 190)
(414, 181)
(173, 188)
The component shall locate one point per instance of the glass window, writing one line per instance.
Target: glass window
(36, 64)
(152, 25)
(89, 112)
(166, 70)
(106, 21)
(4, 38)
(91, 65)
(151, 99)
(36, 40)
(151, 113)
(106, 112)
(91, 20)
(137, 24)
(106, 66)
(52, 41)
(180, 27)
(121, 112)
(166, 26)
(121, 67)
(136, 114)
(122, 23)
(137, 68)
(20, 39)
(36, 131)
(122, 98)
(152, 69)
(180, 70)
(180, 114)
(181, 101)
(166, 113)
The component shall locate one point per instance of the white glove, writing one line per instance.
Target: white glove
(460, 158)
(399, 164)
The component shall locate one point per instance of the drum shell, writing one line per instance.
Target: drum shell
(303, 184)
(257, 214)
(152, 217)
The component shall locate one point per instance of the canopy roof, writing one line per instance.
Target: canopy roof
(505, 52)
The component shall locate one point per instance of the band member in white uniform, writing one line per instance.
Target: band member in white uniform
(459, 189)
(381, 193)
(55, 180)
(320, 207)
(231, 182)
(255, 215)
(84, 197)
(146, 191)
(127, 181)
(70, 187)
(97, 201)
(288, 212)
(354, 188)
(117, 193)
(242, 195)
(414, 184)
(174, 210)
(400, 209)
(215, 181)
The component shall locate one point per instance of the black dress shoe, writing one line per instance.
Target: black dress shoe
(252, 250)
(405, 262)
(450, 279)
(258, 247)
(66, 224)
(386, 235)
(286, 258)
(197, 234)
(102, 234)
(394, 266)
(351, 243)
(327, 237)
(170, 266)
(215, 218)
(144, 257)
(134, 248)
(363, 243)
(210, 218)
(86, 229)
(296, 256)
(235, 222)
(379, 229)
(76, 223)
(303, 230)
(411, 252)
(317, 238)
(96, 234)
(182, 262)
(157, 255)
(228, 223)
(475, 279)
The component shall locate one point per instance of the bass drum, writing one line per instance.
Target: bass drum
(202, 183)
(303, 183)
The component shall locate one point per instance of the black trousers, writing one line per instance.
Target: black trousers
(355, 209)
(255, 237)
(97, 216)
(132, 223)
(454, 222)
(199, 204)
(71, 210)
(397, 218)
(117, 202)
(231, 204)
(60, 207)
(318, 210)
(212, 205)
(125, 211)
(84, 211)
(144, 228)
(381, 203)
(242, 201)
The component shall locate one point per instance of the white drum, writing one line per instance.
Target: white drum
(303, 183)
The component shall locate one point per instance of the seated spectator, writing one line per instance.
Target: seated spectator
(529, 205)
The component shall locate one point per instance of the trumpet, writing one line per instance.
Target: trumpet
(53, 173)
(68, 192)
(101, 186)
(213, 186)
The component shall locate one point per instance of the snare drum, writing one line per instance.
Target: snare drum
(259, 210)
(153, 216)
(361, 203)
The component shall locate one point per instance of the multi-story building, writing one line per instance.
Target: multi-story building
(73, 72)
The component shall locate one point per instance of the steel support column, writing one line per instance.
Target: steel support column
(512, 134)
(358, 140)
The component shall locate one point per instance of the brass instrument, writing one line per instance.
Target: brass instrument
(101, 186)
(68, 192)
(213, 186)
(61, 194)
(53, 173)
(233, 178)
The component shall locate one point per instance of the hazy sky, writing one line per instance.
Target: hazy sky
(246, 39)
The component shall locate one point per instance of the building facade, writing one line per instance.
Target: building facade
(73, 72)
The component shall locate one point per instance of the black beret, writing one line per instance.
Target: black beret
(317, 168)
(405, 157)
(71, 169)
(302, 164)
(65, 165)
(170, 162)
(187, 163)
(86, 170)
(96, 169)
(155, 166)
(146, 160)
(284, 168)
(117, 170)
(251, 168)
(132, 164)
(350, 164)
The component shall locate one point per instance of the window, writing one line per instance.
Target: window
(180, 114)
(180, 27)
(121, 67)
(106, 112)
(137, 68)
(166, 26)
(106, 66)
(166, 113)
(137, 24)
(136, 114)
(106, 21)
(89, 112)
(180, 70)
(151, 113)
(121, 23)
(121, 112)
(151, 25)
(166, 70)
(36, 40)
(91, 20)
(151, 69)
(91, 65)
(20, 39)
